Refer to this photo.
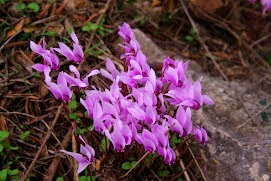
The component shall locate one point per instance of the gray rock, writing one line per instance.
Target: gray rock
(232, 153)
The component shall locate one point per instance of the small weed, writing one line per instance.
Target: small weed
(3, 1)
(33, 7)
(7, 173)
(192, 36)
(25, 135)
(99, 28)
(264, 115)
(95, 50)
(105, 142)
(174, 140)
(128, 165)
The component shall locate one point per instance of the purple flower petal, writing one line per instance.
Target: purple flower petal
(74, 38)
(65, 51)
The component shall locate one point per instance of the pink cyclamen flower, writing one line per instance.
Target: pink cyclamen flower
(266, 5)
(200, 134)
(49, 56)
(61, 89)
(76, 55)
(76, 81)
(85, 157)
(126, 32)
(148, 139)
(44, 69)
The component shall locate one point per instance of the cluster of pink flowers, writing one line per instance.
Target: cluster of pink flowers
(266, 5)
(139, 105)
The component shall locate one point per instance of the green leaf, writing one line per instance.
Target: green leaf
(72, 104)
(20, 6)
(59, 179)
(36, 74)
(3, 1)
(189, 38)
(3, 135)
(73, 116)
(13, 172)
(263, 102)
(142, 22)
(147, 160)
(13, 148)
(126, 166)
(175, 139)
(264, 116)
(193, 31)
(17, 158)
(180, 179)
(163, 173)
(3, 174)
(108, 30)
(73, 96)
(24, 135)
(9, 163)
(33, 6)
(103, 144)
(81, 131)
(90, 128)
(131, 158)
(1, 148)
(268, 59)
(133, 163)
(16, 177)
(131, 1)
(90, 27)
(84, 178)
(51, 1)
(101, 31)
(48, 33)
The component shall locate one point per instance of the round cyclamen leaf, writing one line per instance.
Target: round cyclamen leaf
(133, 163)
(1, 148)
(13, 172)
(73, 116)
(3, 135)
(89, 27)
(126, 166)
(3, 174)
(33, 6)
(73, 104)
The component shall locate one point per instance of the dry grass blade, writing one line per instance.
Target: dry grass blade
(43, 143)
(250, 119)
(142, 158)
(194, 158)
(50, 173)
(202, 42)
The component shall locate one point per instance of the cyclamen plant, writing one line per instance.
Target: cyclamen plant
(266, 5)
(138, 107)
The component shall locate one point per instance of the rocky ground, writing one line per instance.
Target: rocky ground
(239, 146)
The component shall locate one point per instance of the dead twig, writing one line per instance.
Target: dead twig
(74, 149)
(8, 40)
(265, 107)
(194, 158)
(202, 42)
(186, 176)
(103, 11)
(260, 40)
(43, 143)
(142, 158)
(50, 173)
